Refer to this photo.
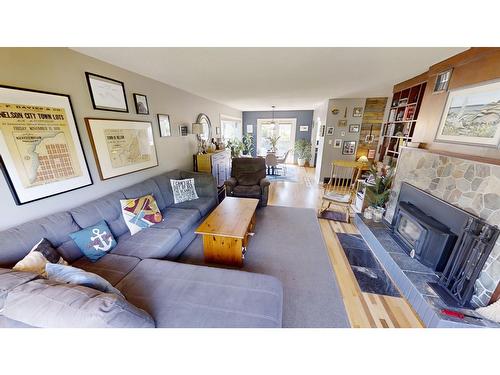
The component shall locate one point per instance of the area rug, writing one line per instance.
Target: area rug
(288, 245)
(289, 176)
(370, 275)
(333, 215)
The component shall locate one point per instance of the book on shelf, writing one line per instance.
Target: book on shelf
(392, 115)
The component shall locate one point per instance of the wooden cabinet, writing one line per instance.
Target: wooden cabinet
(217, 163)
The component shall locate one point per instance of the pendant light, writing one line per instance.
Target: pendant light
(272, 121)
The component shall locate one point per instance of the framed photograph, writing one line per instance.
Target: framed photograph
(249, 129)
(183, 130)
(303, 128)
(141, 104)
(107, 94)
(357, 112)
(354, 128)
(217, 130)
(349, 148)
(121, 146)
(342, 123)
(329, 130)
(40, 148)
(164, 124)
(472, 116)
(322, 131)
(337, 143)
(442, 81)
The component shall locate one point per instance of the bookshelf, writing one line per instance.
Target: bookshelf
(398, 130)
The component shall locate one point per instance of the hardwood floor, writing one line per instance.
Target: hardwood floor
(365, 310)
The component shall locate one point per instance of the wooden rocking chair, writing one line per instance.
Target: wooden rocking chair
(341, 188)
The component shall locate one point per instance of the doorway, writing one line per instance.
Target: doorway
(284, 128)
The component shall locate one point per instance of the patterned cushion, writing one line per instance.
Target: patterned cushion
(140, 213)
(41, 254)
(183, 190)
(94, 241)
(341, 198)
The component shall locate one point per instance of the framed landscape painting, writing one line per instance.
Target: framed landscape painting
(121, 146)
(472, 116)
(40, 149)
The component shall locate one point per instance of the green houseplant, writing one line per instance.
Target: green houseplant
(273, 141)
(247, 144)
(379, 189)
(302, 151)
(236, 146)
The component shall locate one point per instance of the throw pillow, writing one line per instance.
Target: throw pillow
(41, 254)
(140, 213)
(94, 241)
(72, 275)
(183, 190)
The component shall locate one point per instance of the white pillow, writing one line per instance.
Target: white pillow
(41, 254)
(183, 190)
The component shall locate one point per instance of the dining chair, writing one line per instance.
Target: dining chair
(282, 160)
(271, 162)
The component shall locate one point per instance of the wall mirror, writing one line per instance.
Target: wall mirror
(207, 126)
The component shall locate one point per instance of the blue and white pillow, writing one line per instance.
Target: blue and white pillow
(94, 241)
(183, 190)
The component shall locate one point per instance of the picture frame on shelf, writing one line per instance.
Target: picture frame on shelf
(141, 104)
(121, 146)
(442, 81)
(342, 123)
(329, 130)
(337, 143)
(471, 116)
(183, 130)
(40, 146)
(164, 124)
(106, 94)
(354, 128)
(349, 148)
(357, 112)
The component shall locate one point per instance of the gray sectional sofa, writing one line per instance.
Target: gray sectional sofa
(141, 266)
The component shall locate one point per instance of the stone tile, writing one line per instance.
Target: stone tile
(492, 201)
(469, 173)
(482, 170)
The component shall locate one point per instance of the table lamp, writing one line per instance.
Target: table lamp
(363, 159)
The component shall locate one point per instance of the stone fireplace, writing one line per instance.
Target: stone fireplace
(470, 185)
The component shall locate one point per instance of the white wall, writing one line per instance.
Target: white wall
(319, 118)
(62, 70)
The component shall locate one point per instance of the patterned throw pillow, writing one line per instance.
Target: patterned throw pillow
(140, 213)
(183, 190)
(41, 254)
(94, 241)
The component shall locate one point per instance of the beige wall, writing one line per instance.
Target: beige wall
(62, 70)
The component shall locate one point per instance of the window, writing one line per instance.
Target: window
(230, 128)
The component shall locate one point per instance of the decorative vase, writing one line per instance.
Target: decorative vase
(378, 214)
(368, 213)
(301, 162)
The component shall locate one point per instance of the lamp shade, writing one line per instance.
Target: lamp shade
(363, 159)
(197, 128)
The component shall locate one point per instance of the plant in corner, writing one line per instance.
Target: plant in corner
(379, 189)
(247, 144)
(235, 145)
(302, 151)
(273, 141)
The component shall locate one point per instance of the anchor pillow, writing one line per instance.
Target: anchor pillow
(94, 241)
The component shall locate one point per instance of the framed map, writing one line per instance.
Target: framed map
(40, 149)
(121, 146)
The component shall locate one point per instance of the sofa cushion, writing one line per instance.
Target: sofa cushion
(184, 190)
(94, 241)
(204, 183)
(247, 191)
(18, 241)
(106, 208)
(146, 187)
(140, 213)
(48, 304)
(10, 279)
(148, 243)
(163, 182)
(112, 267)
(183, 295)
(179, 218)
(203, 204)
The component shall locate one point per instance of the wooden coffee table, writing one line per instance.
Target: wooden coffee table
(227, 229)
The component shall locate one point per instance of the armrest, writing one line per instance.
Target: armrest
(264, 182)
(204, 183)
(232, 182)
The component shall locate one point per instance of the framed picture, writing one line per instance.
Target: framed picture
(183, 130)
(472, 116)
(442, 81)
(354, 128)
(40, 148)
(329, 130)
(357, 112)
(337, 143)
(349, 148)
(121, 146)
(164, 124)
(107, 94)
(342, 123)
(322, 131)
(249, 129)
(141, 104)
(303, 128)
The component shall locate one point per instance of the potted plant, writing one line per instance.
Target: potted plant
(378, 189)
(236, 146)
(302, 151)
(247, 144)
(273, 141)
